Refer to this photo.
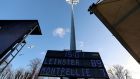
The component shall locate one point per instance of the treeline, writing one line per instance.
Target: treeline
(21, 73)
(114, 72)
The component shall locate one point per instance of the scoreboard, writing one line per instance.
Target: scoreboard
(73, 64)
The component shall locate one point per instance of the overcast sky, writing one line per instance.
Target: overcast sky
(54, 20)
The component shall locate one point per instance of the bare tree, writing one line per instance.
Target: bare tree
(118, 72)
(35, 65)
(19, 73)
(7, 73)
(27, 75)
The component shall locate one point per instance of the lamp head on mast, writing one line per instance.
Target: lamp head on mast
(72, 2)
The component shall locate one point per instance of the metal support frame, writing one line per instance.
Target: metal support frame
(10, 52)
(6, 61)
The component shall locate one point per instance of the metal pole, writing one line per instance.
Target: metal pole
(72, 39)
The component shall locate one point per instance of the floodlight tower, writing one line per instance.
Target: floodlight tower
(72, 37)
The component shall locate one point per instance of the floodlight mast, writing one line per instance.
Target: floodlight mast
(72, 37)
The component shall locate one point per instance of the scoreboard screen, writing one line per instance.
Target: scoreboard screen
(73, 64)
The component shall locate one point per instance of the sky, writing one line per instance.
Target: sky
(54, 20)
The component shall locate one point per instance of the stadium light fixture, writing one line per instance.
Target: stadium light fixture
(72, 2)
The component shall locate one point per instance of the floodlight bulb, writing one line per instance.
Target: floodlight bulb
(72, 2)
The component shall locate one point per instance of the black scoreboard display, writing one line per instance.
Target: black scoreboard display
(73, 64)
